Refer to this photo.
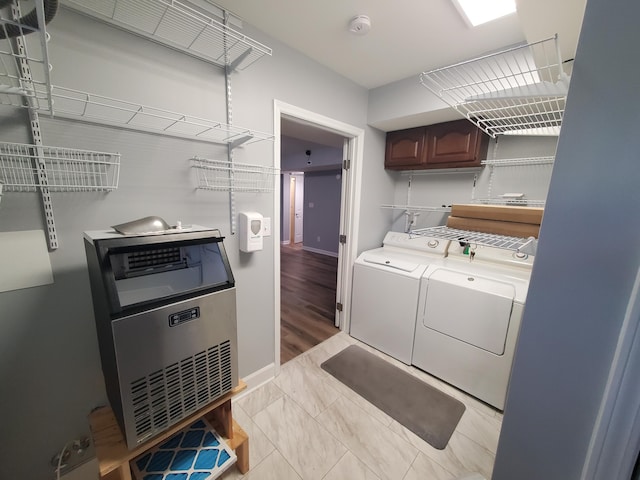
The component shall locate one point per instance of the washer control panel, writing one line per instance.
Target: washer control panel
(417, 243)
(485, 254)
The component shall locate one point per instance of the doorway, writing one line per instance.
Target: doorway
(353, 141)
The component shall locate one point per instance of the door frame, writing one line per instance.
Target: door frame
(615, 440)
(298, 203)
(350, 207)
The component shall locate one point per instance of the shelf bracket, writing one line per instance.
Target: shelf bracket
(233, 65)
(529, 247)
(239, 141)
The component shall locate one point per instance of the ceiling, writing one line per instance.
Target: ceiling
(407, 37)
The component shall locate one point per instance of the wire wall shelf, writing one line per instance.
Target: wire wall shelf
(517, 91)
(23, 45)
(77, 105)
(417, 208)
(525, 161)
(524, 245)
(178, 26)
(222, 175)
(515, 173)
(65, 169)
(509, 201)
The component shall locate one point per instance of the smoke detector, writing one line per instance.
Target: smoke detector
(360, 25)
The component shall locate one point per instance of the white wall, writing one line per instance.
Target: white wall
(587, 259)
(49, 359)
(406, 103)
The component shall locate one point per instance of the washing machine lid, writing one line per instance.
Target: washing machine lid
(469, 307)
(403, 263)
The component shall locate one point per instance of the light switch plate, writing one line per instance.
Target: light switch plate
(266, 227)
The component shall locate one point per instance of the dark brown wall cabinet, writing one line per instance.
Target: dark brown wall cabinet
(454, 144)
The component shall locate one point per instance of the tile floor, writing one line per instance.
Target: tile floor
(307, 425)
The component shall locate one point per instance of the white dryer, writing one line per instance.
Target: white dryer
(469, 317)
(386, 289)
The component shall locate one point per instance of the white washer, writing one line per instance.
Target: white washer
(469, 317)
(386, 288)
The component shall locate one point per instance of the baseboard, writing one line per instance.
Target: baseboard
(257, 379)
(321, 252)
(285, 242)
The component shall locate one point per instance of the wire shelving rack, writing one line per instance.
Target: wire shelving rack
(16, 89)
(177, 25)
(79, 105)
(225, 176)
(517, 91)
(518, 244)
(65, 169)
(539, 165)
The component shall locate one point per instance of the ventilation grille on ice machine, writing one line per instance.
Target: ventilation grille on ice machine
(167, 396)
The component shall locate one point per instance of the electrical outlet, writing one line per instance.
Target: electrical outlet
(77, 452)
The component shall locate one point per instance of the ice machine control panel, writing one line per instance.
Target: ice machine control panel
(184, 316)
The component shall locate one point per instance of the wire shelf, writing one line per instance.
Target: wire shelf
(512, 162)
(417, 208)
(506, 200)
(521, 90)
(525, 245)
(67, 170)
(17, 87)
(222, 175)
(178, 26)
(83, 106)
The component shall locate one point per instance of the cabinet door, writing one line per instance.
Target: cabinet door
(405, 149)
(455, 144)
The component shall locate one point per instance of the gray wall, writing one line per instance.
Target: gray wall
(294, 159)
(48, 349)
(587, 259)
(322, 195)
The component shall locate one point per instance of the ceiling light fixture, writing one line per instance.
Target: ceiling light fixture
(360, 25)
(477, 12)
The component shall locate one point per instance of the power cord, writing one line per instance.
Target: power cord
(60, 457)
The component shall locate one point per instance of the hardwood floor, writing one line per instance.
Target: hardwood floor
(308, 299)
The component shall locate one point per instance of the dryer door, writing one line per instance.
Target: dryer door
(468, 307)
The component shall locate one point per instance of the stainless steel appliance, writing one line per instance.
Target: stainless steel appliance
(165, 312)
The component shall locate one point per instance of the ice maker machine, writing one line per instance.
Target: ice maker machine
(165, 312)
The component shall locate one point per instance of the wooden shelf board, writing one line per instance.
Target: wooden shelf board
(111, 448)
